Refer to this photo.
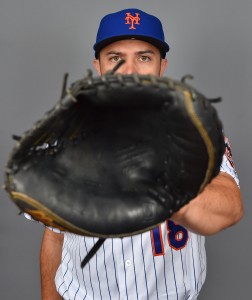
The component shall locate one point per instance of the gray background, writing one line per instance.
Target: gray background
(41, 40)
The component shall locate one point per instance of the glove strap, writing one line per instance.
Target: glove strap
(92, 252)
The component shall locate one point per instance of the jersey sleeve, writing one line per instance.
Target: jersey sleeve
(227, 164)
(29, 217)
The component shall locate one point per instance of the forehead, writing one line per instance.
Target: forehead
(130, 46)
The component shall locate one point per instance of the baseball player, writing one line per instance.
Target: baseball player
(168, 262)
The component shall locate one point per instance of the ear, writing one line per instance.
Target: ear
(164, 63)
(96, 64)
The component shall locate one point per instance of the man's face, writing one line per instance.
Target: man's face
(141, 58)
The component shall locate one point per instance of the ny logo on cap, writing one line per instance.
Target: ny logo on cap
(132, 20)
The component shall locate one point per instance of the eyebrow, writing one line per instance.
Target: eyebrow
(114, 53)
(146, 52)
(138, 52)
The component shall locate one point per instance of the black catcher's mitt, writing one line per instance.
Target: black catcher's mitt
(116, 156)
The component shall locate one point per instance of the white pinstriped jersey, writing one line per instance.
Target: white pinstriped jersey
(168, 262)
(127, 269)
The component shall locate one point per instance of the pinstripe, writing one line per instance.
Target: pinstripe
(58, 289)
(60, 286)
(186, 270)
(194, 272)
(182, 264)
(71, 241)
(202, 266)
(63, 250)
(89, 268)
(146, 283)
(77, 280)
(132, 247)
(164, 260)
(113, 256)
(124, 270)
(82, 274)
(106, 270)
(96, 257)
(203, 261)
(72, 272)
(200, 260)
(165, 278)
(64, 293)
(155, 271)
(67, 267)
(74, 264)
(76, 242)
(174, 276)
(65, 247)
(68, 285)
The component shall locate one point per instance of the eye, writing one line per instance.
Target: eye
(144, 58)
(115, 58)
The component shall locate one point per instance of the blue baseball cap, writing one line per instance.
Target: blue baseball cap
(127, 24)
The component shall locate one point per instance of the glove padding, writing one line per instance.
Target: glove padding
(116, 156)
